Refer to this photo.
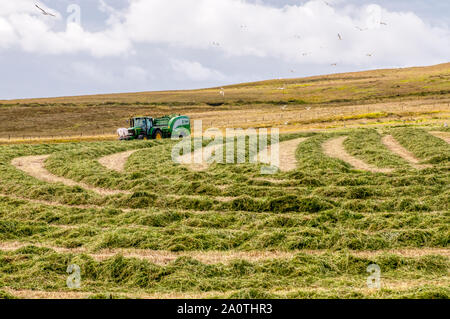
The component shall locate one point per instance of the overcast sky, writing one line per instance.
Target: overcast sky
(101, 46)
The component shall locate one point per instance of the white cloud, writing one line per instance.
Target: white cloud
(7, 34)
(34, 33)
(240, 28)
(195, 71)
(115, 16)
(243, 28)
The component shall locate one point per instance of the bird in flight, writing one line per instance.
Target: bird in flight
(383, 23)
(216, 43)
(361, 29)
(333, 64)
(369, 54)
(339, 36)
(44, 12)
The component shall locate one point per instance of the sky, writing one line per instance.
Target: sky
(101, 46)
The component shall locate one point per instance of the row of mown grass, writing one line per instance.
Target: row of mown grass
(336, 274)
(186, 230)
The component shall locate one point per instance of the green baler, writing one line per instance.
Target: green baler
(156, 128)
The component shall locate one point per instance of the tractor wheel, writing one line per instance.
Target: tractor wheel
(158, 135)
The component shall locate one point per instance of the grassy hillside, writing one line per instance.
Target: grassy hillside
(375, 85)
(396, 95)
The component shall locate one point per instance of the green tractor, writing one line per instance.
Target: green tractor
(156, 128)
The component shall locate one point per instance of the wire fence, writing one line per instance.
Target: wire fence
(285, 115)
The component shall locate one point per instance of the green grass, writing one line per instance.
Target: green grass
(367, 145)
(425, 146)
(322, 205)
(342, 273)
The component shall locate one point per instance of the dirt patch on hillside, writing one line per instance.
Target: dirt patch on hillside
(442, 135)
(34, 166)
(288, 161)
(116, 162)
(64, 294)
(400, 285)
(163, 257)
(335, 148)
(39, 294)
(395, 147)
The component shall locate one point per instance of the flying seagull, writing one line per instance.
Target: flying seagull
(369, 54)
(44, 12)
(333, 64)
(339, 36)
(361, 29)
(383, 23)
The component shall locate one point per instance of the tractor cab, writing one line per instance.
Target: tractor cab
(140, 127)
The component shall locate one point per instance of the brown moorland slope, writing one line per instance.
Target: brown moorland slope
(408, 94)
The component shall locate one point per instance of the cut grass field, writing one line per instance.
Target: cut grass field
(227, 231)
